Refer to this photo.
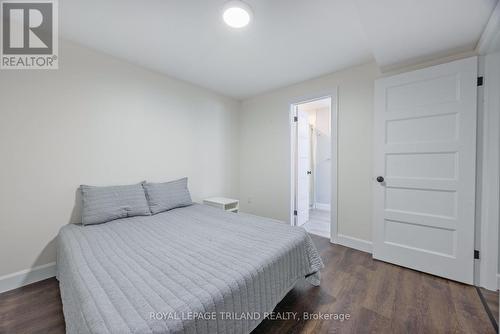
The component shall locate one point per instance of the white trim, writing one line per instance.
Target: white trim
(334, 126)
(27, 276)
(489, 164)
(322, 206)
(333, 95)
(498, 281)
(490, 38)
(351, 242)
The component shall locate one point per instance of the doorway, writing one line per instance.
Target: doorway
(314, 165)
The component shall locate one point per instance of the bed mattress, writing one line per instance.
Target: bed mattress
(195, 269)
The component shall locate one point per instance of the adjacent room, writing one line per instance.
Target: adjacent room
(254, 166)
(312, 161)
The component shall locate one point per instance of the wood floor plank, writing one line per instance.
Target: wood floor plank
(379, 298)
(470, 311)
(35, 308)
(491, 298)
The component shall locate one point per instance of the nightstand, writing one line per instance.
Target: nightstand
(226, 204)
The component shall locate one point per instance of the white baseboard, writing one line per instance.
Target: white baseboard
(27, 276)
(322, 206)
(351, 242)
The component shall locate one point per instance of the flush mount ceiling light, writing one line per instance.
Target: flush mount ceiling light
(237, 14)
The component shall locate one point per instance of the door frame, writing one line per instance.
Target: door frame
(333, 95)
(487, 271)
(489, 66)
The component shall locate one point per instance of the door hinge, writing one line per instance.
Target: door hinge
(295, 118)
(480, 81)
(476, 254)
(294, 212)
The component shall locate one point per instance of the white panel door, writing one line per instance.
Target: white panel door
(425, 149)
(303, 164)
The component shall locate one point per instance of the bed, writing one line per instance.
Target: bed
(194, 269)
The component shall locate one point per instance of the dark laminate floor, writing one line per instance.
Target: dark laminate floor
(491, 299)
(380, 298)
(35, 308)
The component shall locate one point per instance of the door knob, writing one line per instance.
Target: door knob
(380, 179)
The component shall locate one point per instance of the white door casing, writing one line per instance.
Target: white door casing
(425, 148)
(303, 164)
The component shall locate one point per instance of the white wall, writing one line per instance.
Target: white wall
(100, 121)
(265, 149)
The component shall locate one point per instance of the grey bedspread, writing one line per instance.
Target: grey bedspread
(189, 270)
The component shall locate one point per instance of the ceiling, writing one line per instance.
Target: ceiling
(404, 32)
(287, 42)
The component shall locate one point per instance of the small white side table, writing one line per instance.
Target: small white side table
(226, 204)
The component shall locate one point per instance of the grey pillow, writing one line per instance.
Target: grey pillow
(103, 204)
(168, 195)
